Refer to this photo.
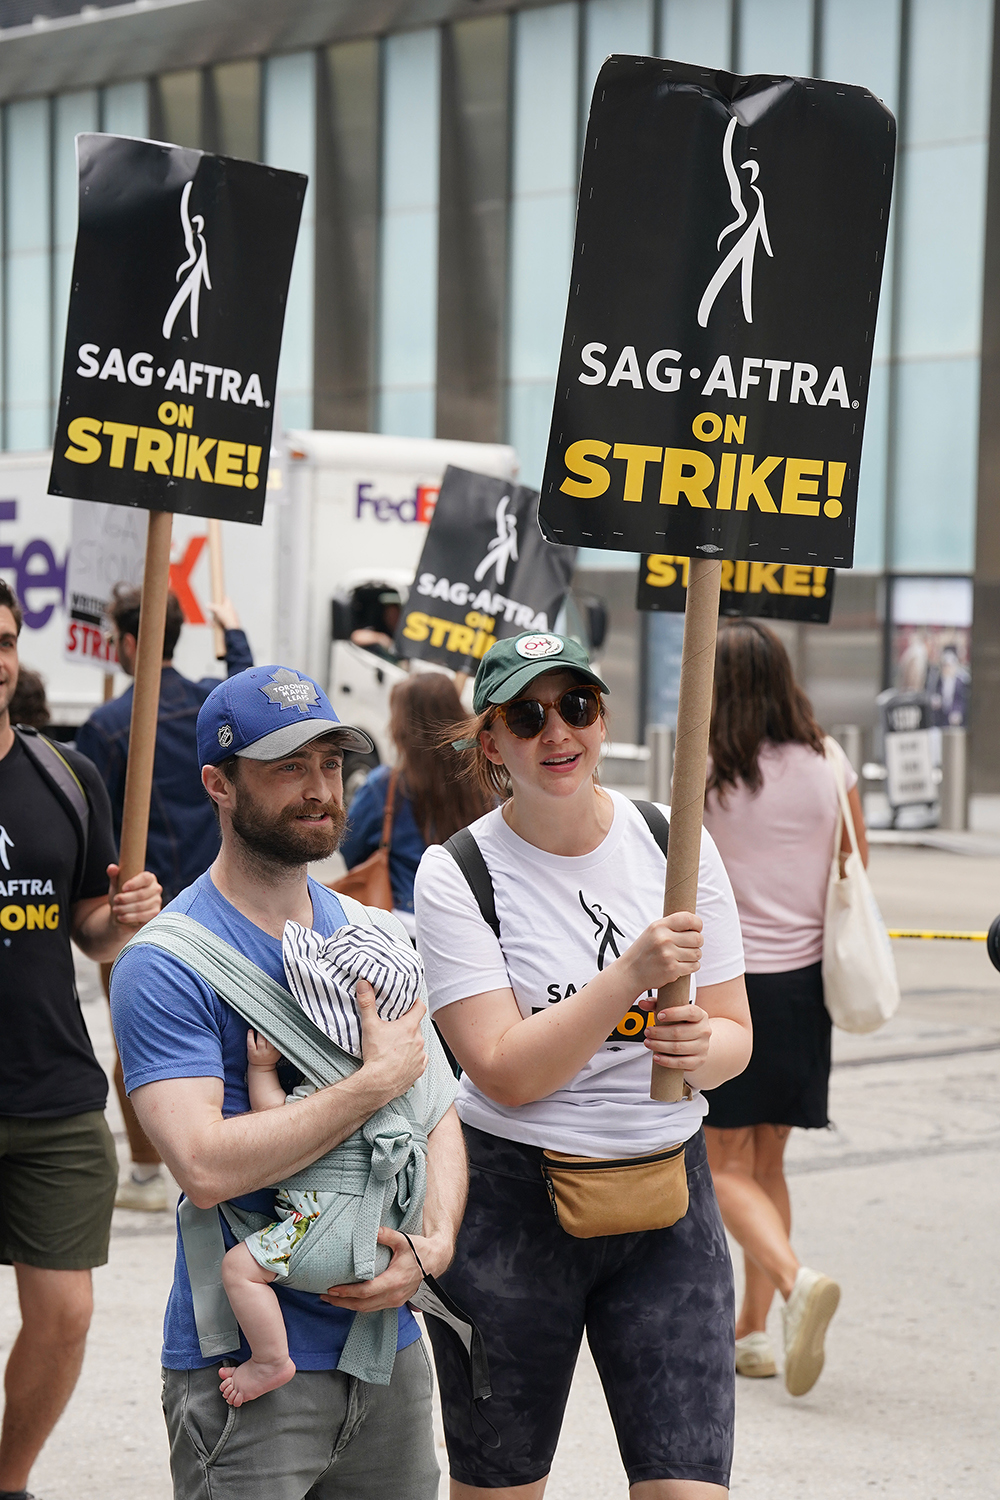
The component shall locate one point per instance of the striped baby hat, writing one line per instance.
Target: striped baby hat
(322, 974)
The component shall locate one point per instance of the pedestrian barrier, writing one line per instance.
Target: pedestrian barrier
(990, 938)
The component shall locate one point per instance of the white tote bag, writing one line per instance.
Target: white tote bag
(859, 974)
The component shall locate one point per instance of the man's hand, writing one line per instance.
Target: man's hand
(393, 1051)
(401, 1277)
(224, 614)
(137, 901)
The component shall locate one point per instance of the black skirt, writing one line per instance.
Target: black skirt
(787, 1079)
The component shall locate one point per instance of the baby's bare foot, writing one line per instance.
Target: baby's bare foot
(248, 1381)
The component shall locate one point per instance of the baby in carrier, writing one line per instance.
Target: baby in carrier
(313, 1243)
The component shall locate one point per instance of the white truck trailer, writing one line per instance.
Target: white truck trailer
(343, 510)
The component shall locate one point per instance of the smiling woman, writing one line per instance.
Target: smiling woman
(547, 1003)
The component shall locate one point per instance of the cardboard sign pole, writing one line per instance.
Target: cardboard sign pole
(109, 686)
(687, 800)
(218, 582)
(146, 697)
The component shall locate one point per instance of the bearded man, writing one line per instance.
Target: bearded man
(271, 749)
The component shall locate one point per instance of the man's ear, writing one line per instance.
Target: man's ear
(221, 791)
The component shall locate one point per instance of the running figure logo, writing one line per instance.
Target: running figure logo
(196, 265)
(745, 248)
(503, 548)
(606, 932)
(6, 842)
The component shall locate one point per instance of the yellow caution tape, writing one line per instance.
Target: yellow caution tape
(951, 937)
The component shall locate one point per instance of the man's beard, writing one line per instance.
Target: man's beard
(285, 839)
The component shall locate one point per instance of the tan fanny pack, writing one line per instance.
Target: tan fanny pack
(592, 1196)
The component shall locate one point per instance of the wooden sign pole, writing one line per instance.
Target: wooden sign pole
(146, 696)
(218, 581)
(687, 799)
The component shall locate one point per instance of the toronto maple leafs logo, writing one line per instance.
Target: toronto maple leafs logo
(289, 690)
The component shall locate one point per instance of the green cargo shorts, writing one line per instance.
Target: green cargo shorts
(58, 1180)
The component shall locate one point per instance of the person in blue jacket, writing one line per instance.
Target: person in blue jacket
(428, 805)
(183, 837)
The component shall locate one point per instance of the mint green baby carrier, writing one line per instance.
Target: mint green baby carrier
(380, 1172)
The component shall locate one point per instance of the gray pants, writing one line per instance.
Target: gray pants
(323, 1435)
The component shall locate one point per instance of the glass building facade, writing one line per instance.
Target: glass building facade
(430, 280)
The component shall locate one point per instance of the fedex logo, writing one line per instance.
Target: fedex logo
(416, 507)
(34, 568)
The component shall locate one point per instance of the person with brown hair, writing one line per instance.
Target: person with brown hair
(29, 704)
(430, 800)
(772, 808)
(590, 1204)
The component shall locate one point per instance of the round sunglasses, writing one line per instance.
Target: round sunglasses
(578, 707)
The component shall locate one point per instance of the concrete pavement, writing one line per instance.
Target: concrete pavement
(899, 1202)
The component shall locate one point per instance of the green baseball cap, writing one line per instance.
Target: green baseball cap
(510, 665)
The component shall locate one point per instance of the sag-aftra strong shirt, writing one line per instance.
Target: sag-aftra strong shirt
(47, 1064)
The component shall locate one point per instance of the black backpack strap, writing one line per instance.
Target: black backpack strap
(656, 823)
(468, 856)
(57, 772)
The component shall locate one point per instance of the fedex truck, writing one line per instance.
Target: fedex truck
(345, 512)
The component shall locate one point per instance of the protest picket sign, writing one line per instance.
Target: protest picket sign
(749, 591)
(180, 280)
(107, 546)
(716, 357)
(484, 573)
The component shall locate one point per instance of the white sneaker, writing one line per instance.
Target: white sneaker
(755, 1356)
(806, 1316)
(146, 1197)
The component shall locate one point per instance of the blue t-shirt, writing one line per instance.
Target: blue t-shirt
(169, 1023)
(364, 834)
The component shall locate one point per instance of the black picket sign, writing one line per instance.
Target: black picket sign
(180, 282)
(485, 573)
(715, 363)
(750, 590)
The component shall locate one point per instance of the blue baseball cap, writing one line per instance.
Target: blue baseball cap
(267, 712)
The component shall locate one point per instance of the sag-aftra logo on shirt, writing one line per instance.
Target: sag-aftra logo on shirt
(607, 933)
(36, 916)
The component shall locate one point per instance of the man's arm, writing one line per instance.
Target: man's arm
(447, 1186)
(100, 926)
(214, 1158)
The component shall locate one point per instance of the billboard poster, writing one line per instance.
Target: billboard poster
(750, 591)
(715, 364)
(484, 573)
(932, 645)
(180, 281)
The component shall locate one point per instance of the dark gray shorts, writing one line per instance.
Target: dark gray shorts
(657, 1309)
(324, 1435)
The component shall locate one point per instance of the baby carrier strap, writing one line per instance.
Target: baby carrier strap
(390, 1147)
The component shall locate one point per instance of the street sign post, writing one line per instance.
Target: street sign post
(180, 280)
(715, 364)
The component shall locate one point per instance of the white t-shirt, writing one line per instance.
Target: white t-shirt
(777, 844)
(561, 921)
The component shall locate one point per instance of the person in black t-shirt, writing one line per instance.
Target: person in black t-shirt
(58, 1170)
